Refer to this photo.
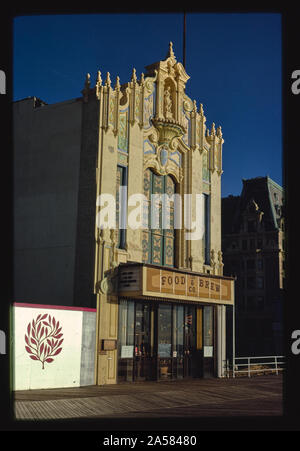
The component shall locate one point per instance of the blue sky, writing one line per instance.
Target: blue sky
(234, 61)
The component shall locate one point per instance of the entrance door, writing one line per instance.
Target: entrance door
(190, 352)
(142, 344)
(159, 341)
(179, 341)
(164, 341)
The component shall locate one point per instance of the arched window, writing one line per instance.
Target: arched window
(159, 242)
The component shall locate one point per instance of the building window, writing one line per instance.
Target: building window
(121, 206)
(259, 264)
(159, 242)
(206, 244)
(260, 282)
(205, 167)
(244, 245)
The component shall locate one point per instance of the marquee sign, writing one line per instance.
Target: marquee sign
(146, 280)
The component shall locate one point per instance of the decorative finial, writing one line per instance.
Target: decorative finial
(219, 132)
(142, 79)
(99, 79)
(213, 129)
(87, 81)
(170, 53)
(108, 80)
(117, 83)
(195, 106)
(201, 109)
(133, 78)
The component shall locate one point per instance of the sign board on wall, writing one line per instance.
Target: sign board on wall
(109, 345)
(147, 280)
(208, 351)
(126, 352)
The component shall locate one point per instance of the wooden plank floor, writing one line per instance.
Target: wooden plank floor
(257, 396)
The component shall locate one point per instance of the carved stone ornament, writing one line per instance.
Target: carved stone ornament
(168, 130)
(165, 142)
(168, 103)
(106, 285)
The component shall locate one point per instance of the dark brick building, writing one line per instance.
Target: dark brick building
(253, 251)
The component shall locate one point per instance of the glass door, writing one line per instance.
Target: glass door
(190, 360)
(208, 341)
(126, 340)
(142, 346)
(164, 341)
(178, 341)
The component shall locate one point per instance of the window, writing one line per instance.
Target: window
(206, 245)
(259, 264)
(244, 245)
(158, 243)
(260, 282)
(121, 206)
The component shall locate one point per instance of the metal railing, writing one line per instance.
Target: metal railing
(252, 365)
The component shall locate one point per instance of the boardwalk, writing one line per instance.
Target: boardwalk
(257, 396)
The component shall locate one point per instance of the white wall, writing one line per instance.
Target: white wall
(65, 369)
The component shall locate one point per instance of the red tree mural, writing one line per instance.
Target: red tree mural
(43, 339)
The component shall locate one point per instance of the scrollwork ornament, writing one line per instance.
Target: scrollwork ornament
(105, 285)
(187, 104)
(173, 143)
(149, 85)
(153, 137)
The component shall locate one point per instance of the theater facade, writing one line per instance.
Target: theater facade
(161, 293)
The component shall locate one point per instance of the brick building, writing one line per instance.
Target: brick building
(253, 250)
